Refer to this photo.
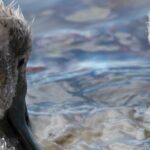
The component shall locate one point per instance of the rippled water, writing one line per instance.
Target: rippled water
(88, 76)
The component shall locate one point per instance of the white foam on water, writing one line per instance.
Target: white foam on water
(4, 145)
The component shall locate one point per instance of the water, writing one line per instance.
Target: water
(88, 76)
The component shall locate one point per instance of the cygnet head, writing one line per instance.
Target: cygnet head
(15, 46)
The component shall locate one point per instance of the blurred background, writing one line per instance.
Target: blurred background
(88, 75)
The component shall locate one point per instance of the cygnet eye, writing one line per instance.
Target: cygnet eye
(2, 78)
(21, 63)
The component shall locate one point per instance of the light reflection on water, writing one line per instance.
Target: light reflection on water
(88, 76)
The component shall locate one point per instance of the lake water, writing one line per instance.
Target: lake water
(88, 76)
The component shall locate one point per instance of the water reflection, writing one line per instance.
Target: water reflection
(88, 75)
